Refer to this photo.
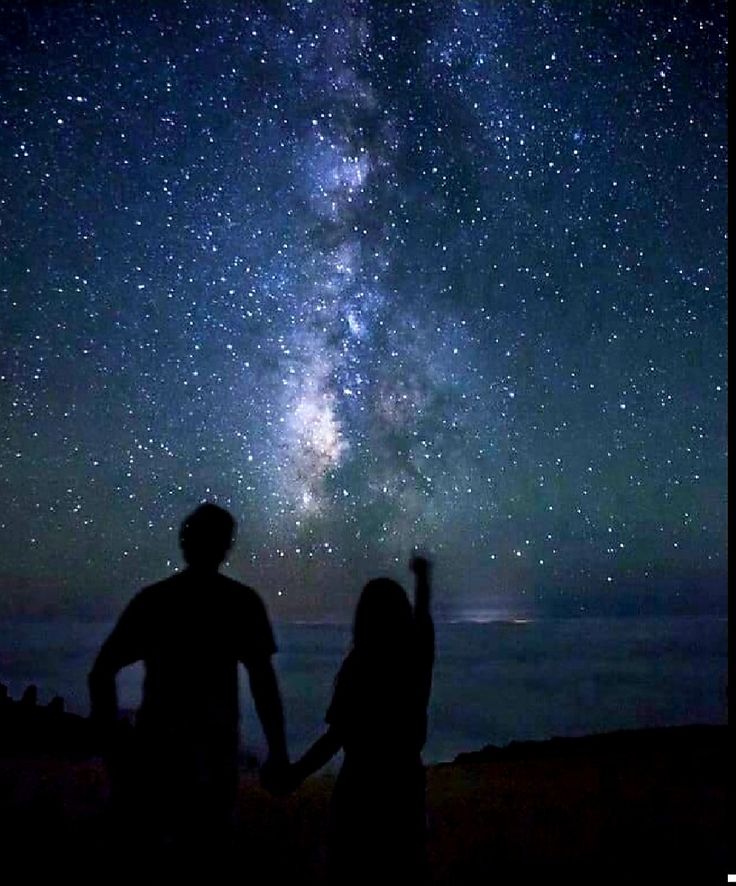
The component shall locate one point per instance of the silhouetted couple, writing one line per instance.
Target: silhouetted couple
(175, 776)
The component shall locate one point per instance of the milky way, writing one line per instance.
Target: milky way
(370, 275)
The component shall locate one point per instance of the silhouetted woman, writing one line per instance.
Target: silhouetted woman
(378, 716)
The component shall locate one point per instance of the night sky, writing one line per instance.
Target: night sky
(369, 275)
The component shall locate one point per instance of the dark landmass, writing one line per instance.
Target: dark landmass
(645, 806)
(613, 745)
(27, 728)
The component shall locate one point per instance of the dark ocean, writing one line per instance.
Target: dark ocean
(494, 681)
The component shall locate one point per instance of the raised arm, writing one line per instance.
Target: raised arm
(422, 569)
(424, 626)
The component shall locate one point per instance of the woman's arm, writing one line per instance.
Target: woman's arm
(321, 752)
(281, 781)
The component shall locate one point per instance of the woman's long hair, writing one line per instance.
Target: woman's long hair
(377, 694)
(384, 619)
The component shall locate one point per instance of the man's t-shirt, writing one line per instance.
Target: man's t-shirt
(191, 631)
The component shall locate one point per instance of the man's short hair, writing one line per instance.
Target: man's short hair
(206, 535)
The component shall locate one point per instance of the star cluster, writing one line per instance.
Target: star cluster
(370, 275)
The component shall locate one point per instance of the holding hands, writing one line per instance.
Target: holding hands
(279, 778)
(283, 779)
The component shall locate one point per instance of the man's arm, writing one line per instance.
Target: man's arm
(103, 695)
(267, 700)
(121, 648)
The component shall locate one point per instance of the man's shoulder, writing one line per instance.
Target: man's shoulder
(239, 592)
(158, 588)
(227, 591)
(147, 596)
(159, 592)
(185, 577)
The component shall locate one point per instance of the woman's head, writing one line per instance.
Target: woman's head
(383, 617)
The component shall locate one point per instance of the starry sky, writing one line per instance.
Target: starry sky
(370, 275)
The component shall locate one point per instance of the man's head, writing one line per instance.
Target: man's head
(206, 536)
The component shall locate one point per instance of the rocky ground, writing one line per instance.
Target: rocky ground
(645, 806)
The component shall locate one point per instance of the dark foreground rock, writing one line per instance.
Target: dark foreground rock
(645, 806)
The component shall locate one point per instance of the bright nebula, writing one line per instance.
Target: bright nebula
(371, 275)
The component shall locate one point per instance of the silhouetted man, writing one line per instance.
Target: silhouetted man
(177, 776)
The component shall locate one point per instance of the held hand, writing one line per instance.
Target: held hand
(110, 735)
(115, 742)
(278, 777)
